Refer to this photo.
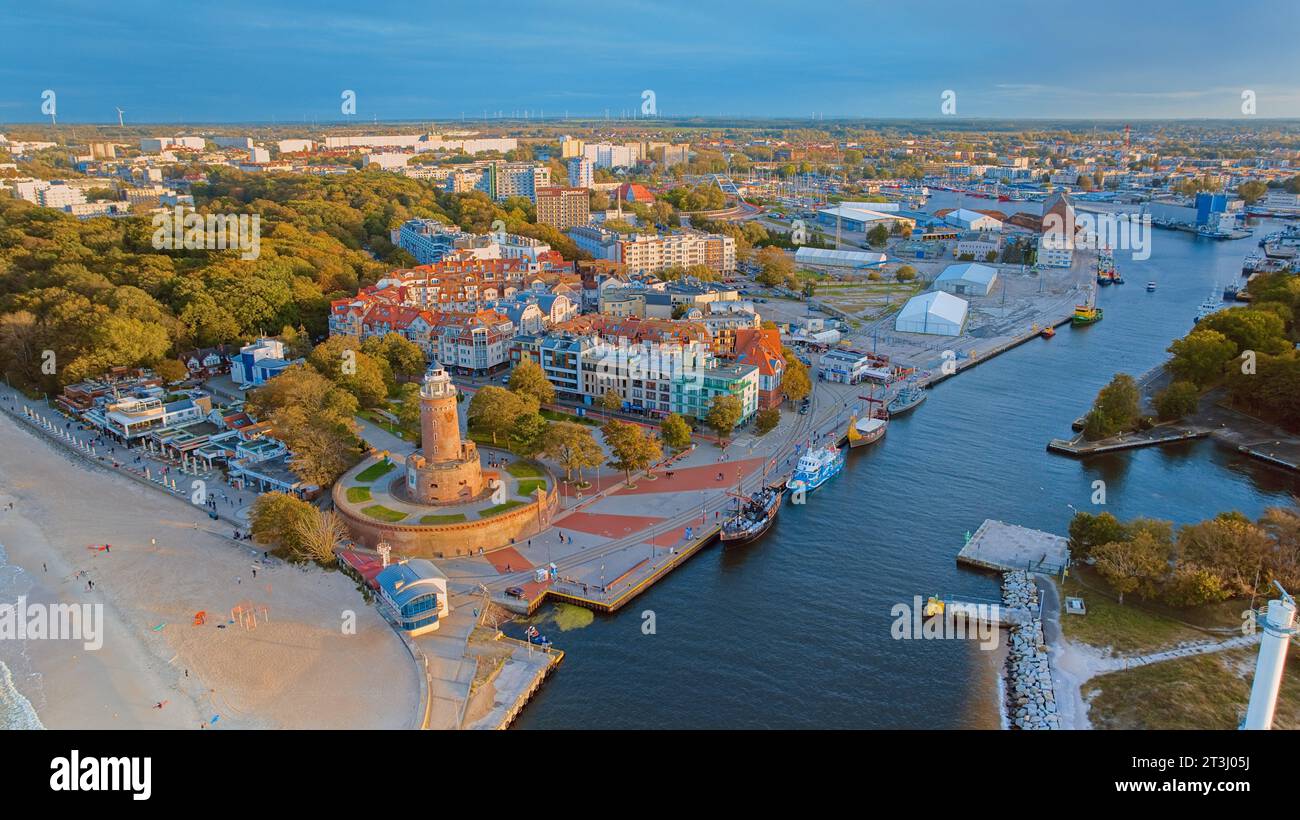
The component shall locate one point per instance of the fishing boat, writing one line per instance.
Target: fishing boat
(816, 467)
(753, 516)
(1087, 314)
(906, 399)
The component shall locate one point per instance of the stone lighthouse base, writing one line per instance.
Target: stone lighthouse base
(371, 498)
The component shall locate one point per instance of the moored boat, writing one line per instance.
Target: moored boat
(1209, 306)
(816, 467)
(867, 430)
(753, 517)
(1087, 314)
(906, 399)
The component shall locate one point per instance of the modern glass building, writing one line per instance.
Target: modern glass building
(414, 594)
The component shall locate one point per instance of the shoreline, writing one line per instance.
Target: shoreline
(298, 669)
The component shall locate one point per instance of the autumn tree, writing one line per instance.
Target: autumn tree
(724, 414)
(573, 447)
(1176, 401)
(341, 360)
(675, 432)
(1200, 356)
(796, 383)
(528, 433)
(1115, 410)
(1132, 566)
(276, 520)
(767, 420)
(314, 417)
(529, 378)
(611, 401)
(319, 536)
(494, 410)
(631, 448)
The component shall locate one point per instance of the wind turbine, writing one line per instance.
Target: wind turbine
(120, 112)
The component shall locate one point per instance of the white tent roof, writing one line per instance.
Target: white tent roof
(826, 256)
(933, 312)
(968, 272)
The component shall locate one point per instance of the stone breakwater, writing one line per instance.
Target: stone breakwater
(1031, 700)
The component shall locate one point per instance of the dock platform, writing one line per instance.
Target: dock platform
(1004, 547)
(994, 613)
(618, 592)
(1079, 448)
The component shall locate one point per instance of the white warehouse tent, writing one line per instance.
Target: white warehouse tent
(936, 312)
(968, 278)
(848, 259)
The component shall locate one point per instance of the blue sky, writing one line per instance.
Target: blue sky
(236, 60)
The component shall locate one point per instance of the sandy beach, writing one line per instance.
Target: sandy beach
(297, 669)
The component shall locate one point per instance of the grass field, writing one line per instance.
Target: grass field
(454, 518)
(500, 508)
(527, 486)
(1197, 692)
(376, 470)
(382, 513)
(525, 469)
(552, 415)
(358, 494)
(1135, 627)
(865, 298)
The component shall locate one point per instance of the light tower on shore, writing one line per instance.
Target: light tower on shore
(1279, 626)
(446, 470)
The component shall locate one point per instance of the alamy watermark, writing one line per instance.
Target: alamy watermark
(1117, 232)
(946, 621)
(53, 622)
(179, 229)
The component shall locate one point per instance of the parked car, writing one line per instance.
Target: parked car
(515, 592)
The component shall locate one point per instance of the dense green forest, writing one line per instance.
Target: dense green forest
(97, 293)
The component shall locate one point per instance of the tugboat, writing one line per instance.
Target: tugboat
(1087, 314)
(907, 398)
(816, 467)
(753, 516)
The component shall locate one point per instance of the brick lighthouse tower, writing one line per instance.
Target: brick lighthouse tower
(447, 470)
